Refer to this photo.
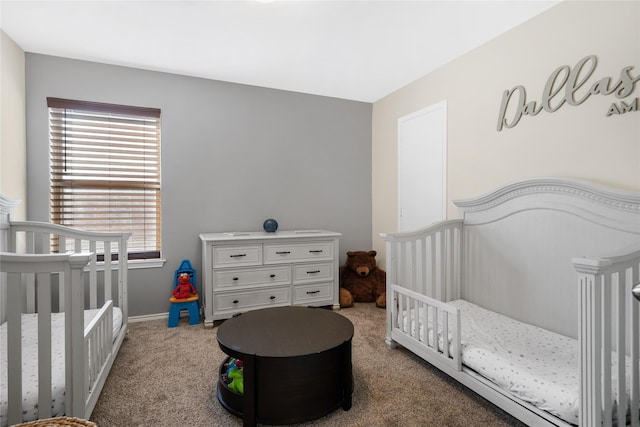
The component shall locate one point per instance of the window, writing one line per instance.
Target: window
(105, 170)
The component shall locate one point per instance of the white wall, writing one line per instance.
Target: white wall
(13, 166)
(575, 141)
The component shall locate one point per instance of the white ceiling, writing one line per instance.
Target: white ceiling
(358, 50)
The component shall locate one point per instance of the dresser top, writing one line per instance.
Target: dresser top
(262, 235)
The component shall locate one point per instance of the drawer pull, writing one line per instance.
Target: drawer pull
(237, 256)
(236, 278)
(313, 271)
(272, 297)
(283, 252)
(235, 301)
(316, 251)
(272, 275)
(312, 292)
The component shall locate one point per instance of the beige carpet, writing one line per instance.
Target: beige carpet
(167, 377)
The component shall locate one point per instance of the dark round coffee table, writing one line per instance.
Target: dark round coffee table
(297, 364)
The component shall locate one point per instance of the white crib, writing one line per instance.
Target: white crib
(54, 275)
(559, 254)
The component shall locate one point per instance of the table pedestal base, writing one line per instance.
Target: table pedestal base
(296, 389)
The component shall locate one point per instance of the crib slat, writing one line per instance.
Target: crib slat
(412, 270)
(434, 330)
(14, 341)
(407, 305)
(634, 315)
(432, 266)
(457, 255)
(107, 270)
(30, 242)
(422, 266)
(620, 342)
(62, 248)
(447, 264)
(441, 266)
(123, 272)
(423, 322)
(606, 353)
(403, 271)
(93, 277)
(455, 339)
(3, 298)
(29, 279)
(445, 334)
(595, 349)
(61, 298)
(416, 317)
(43, 244)
(44, 343)
(30, 293)
(401, 309)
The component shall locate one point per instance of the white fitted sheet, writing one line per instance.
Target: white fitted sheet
(534, 364)
(30, 363)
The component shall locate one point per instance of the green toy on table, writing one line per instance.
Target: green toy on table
(233, 376)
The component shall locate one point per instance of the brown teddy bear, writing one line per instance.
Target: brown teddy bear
(362, 281)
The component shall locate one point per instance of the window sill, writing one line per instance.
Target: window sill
(135, 264)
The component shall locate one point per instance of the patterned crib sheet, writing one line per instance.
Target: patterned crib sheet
(30, 363)
(536, 365)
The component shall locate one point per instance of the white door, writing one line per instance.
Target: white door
(422, 167)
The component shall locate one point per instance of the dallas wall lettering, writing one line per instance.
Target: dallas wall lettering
(564, 87)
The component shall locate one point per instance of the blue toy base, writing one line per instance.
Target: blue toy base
(177, 307)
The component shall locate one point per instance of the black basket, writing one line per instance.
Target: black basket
(231, 400)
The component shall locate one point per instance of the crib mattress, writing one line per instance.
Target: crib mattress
(536, 365)
(30, 363)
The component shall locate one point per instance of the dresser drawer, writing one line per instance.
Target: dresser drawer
(252, 276)
(307, 273)
(281, 253)
(304, 294)
(245, 300)
(230, 256)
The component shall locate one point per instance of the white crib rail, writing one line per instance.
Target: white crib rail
(427, 261)
(39, 237)
(38, 270)
(92, 355)
(609, 334)
(424, 324)
(98, 345)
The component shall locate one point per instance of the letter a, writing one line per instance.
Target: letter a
(613, 110)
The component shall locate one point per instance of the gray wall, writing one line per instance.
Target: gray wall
(232, 156)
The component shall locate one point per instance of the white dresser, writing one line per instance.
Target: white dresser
(248, 271)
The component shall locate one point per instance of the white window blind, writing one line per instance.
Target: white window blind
(105, 170)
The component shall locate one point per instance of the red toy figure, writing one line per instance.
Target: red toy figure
(185, 288)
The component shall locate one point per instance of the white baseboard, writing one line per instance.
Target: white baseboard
(159, 316)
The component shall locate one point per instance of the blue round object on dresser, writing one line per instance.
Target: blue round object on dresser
(270, 225)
